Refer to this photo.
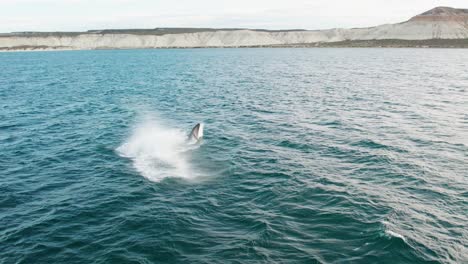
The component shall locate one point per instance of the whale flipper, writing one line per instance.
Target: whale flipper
(197, 132)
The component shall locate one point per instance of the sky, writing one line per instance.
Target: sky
(80, 15)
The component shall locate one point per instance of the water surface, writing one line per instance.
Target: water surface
(309, 156)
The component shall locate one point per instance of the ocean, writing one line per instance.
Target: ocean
(309, 156)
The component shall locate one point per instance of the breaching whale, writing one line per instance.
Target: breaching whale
(197, 132)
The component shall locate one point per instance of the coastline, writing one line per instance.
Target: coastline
(384, 43)
(440, 27)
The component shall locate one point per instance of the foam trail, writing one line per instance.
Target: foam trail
(158, 152)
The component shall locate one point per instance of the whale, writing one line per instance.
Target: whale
(197, 132)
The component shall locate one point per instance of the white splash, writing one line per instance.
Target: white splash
(159, 152)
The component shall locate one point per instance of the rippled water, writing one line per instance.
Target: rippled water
(309, 156)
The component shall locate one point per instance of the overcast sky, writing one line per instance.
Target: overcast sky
(77, 15)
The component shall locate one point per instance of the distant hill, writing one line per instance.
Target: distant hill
(438, 27)
(442, 13)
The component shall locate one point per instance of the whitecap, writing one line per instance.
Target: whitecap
(395, 234)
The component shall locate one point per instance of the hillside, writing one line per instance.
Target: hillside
(445, 24)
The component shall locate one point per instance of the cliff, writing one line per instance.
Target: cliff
(441, 23)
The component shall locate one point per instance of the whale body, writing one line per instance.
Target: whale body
(197, 132)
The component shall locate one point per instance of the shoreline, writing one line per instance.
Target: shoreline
(383, 43)
(241, 47)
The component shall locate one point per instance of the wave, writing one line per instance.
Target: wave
(158, 151)
(392, 234)
(395, 234)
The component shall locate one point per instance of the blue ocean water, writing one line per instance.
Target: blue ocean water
(309, 156)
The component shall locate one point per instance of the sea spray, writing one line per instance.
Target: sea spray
(158, 151)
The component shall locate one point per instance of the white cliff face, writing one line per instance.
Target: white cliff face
(439, 23)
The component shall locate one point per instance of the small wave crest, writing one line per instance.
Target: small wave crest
(394, 234)
(159, 152)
